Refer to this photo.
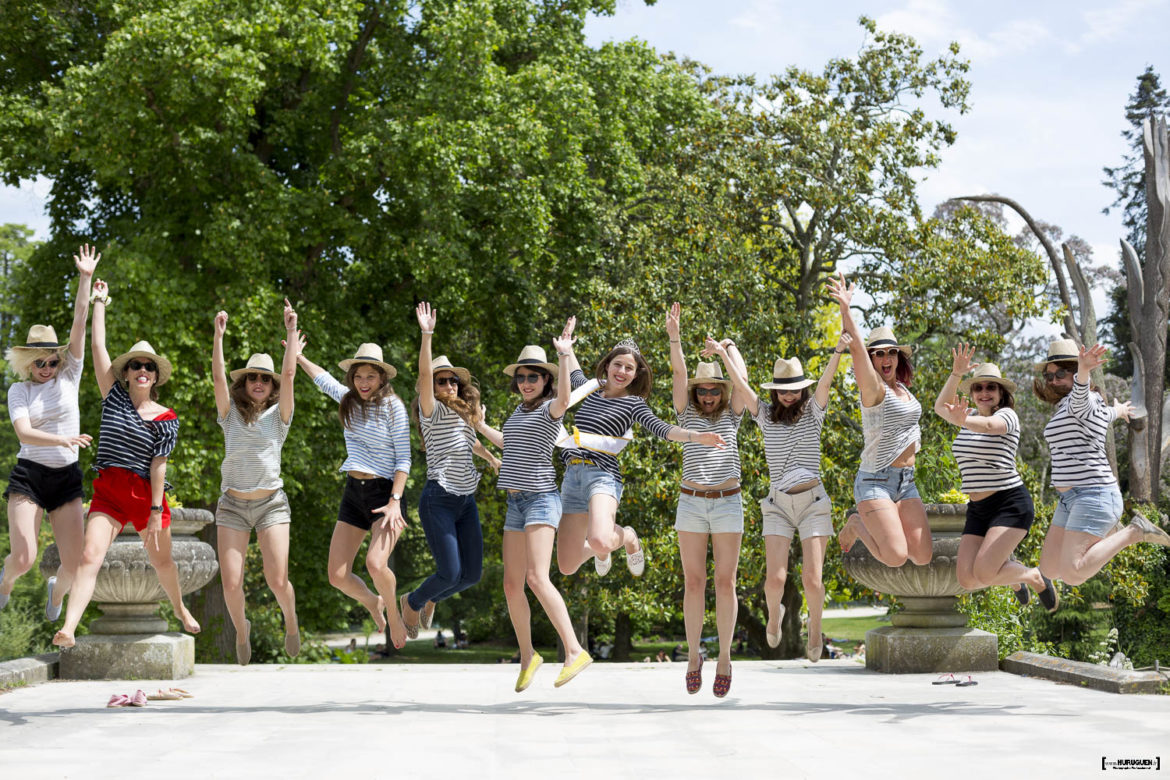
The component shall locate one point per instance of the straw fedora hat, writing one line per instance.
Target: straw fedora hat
(987, 372)
(1059, 351)
(143, 350)
(259, 363)
(787, 375)
(883, 337)
(41, 337)
(372, 354)
(532, 355)
(708, 374)
(441, 363)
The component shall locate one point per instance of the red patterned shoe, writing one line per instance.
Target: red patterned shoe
(722, 684)
(694, 680)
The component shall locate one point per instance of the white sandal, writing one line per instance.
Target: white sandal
(636, 562)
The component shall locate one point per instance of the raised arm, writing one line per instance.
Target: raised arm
(223, 399)
(306, 365)
(948, 405)
(566, 364)
(678, 363)
(567, 333)
(101, 357)
(826, 382)
(494, 435)
(736, 372)
(868, 381)
(427, 317)
(86, 260)
(288, 368)
(1081, 403)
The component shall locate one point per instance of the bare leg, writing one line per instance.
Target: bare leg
(572, 549)
(776, 554)
(605, 535)
(24, 523)
(68, 523)
(343, 548)
(539, 542)
(881, 531)
(812, 577)
(273, 542)
(692, 548)
(515, 554)
(993, 564)
(1082, 554)
(377, 564)
(232, 547)
(100, 533)
(916, 531)
(725, 549)
(168, 576)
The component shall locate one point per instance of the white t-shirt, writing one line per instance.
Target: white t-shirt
(51, 407)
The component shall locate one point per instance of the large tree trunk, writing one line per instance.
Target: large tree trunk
(623, 637)
(1150, 330)
(208, 607)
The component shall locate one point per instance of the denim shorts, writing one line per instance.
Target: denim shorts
(1093, 509)
(252, 514)
(526, 508)
(810, 513)
(583, 481)
(892, 482)
(709, 515)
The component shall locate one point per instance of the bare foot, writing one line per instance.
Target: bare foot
(398, 632)
(378, 613)
(848, 535)
(190, 624)
(64, 639)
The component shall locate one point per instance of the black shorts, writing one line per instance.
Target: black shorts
(1011, 508)
(361, 498)
(50, 488)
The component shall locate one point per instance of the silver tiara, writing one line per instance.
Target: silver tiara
(629, 344)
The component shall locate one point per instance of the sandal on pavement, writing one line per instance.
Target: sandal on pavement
(946, 679)
(138, 699)
(528, 672)
(602, 567)
(161, 695)
(573, 669)
(966, 683)
(695, 679)
(181, 692)
(1151, 533)
(244, 648)
(427, 615)
(292, 644)
(1050, 596)
(51, 612)
(403, 606)
(774, 639)
(1023, 594)
(118, 700)
(722, 684)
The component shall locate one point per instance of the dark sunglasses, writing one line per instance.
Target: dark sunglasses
(705, 391)
(1060, 373)
(787, 392)
(264, 378)
(447, 380)
(50, 363)
(525, 379)
(881, 353)
(979, 388)
(137, 365)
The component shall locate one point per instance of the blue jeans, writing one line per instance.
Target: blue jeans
(451, 524)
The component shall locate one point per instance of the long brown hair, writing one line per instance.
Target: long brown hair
(249, 410)
(643, 380)
(549, 388)
(466, 400)
(717, 412)
(788, 415)
(1048, 393)
(352, 401)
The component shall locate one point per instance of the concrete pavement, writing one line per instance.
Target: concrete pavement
(786, 719)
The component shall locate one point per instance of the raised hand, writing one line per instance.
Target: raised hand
(86, 259)
(302, 340)
(957, 410)
(290, 316)
(1091, 357)
(672, 321)
(220, 324)
(100, 289)
(426, 317)
(840, 290)
(567, 331)
(844, 341)
(80, 440)
(961, 359)
(563, 343)
(713, 347)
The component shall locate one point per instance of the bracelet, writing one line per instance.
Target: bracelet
(156, 509)
(564, 354)
(672, 341)
(840, 351)
(427, 332)
(102, 299)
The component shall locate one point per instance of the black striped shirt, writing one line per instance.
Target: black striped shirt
(793, 450)
(1076, 439)
(987, 461)
(127, 441)
(448, 440)
(703, 465)
(530, 436)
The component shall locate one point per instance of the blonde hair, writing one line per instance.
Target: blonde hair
(21, 360)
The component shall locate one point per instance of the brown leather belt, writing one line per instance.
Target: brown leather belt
(709, 493)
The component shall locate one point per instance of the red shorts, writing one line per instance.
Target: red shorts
(126, 497)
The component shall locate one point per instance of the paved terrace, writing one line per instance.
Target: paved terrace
(787, 719)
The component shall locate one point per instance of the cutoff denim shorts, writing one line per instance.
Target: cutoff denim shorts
(526, 508)
(1093, 509)
(892, 482)
(583, 481)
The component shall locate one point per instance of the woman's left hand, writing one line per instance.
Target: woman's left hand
(150, 537)
(1123, 409)
(391, 516)
(290, 316)
(86, 259)
(711, 440)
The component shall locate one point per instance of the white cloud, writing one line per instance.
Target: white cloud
(1113, 19)
(760, 15)
(935, 23)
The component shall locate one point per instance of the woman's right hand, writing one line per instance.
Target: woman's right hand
(220, 324)
(302, 339)
(82, 440)
(672, 321)
(961, 359)
(426, 317)
(713, 347)
(840, 290)
(86, 259)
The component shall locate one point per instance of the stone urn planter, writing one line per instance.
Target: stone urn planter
(130, 639)
(930, 635)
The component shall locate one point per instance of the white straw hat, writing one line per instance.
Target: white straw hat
(987, 372)
(41, 337)
(143, 350)
(441, 363)
(787, 375)
(259, 363)
(1059, 351)
(372, 354)
(708, 374)
(883, 337)
(532, 356)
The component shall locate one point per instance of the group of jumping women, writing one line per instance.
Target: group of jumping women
(255, 405)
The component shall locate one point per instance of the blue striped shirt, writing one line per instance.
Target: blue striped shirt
(377, 442)
(127, 441)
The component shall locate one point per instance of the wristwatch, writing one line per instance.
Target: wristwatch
(396, 496)
(156, 509)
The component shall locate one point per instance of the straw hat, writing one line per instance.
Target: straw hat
(41, 337)
(259, 363)
(143, 351)
(708, 374)
(787, 375)
(883, 337)
(987, 372)
(372, 354)
(441, 363)
(1059, 351)
(532, 355)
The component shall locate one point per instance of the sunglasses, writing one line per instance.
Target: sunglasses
(787, 392)
(447, 380)
(881, 353)
(1060, 373)
(262, 378)
(50, 363)
(706, 391)
(979, 388)
(138, 365)
(525, 379)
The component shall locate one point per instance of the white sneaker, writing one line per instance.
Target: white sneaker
(51, 612)
(602, 567)
(636, 562)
